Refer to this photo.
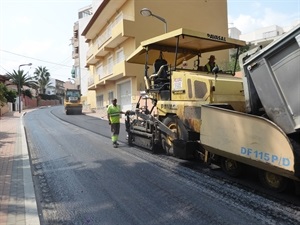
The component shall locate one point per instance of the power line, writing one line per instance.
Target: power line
(4, 69)
(54, 68)
(35, 59)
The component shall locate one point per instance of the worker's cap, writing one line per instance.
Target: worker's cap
(212, 57)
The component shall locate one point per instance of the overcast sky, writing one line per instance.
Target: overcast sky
(248, 15)
(39, 31)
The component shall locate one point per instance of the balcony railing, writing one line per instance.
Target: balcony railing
(75, 55)
(91, 81)
(118, 70)
(91, 55)
(76, 26)
(75, 42)
(114, 35)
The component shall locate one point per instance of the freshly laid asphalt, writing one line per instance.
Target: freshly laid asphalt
(18, 202)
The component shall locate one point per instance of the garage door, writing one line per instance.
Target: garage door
(124, 95)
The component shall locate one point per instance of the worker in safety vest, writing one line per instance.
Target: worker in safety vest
(211, 64)
(114, 114)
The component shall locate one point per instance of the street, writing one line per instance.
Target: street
(81, 179)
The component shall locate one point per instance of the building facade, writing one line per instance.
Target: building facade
(263, 36)
(80, 73)
(116, 29)
(266, 35)
(56, 87)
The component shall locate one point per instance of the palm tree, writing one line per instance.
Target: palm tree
(42, 76)
(20, 79)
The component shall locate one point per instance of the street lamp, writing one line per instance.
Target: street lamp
(28, 64)
(147, 12)
(74, 84)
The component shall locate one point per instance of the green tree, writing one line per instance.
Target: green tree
(20, 79)
(7, 95)
(3, 100)
(42, 76)
(232, 57)
(27, 93)
(10, 95)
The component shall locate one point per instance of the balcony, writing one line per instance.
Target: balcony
(120, 32)
(94, 86)
(109, 40)
(76, 27)
(75, 30)
(75, 42)
(91, 58)
(115, 36)
(75, 55)
(120, 70)
(91, 83)
(76, 62)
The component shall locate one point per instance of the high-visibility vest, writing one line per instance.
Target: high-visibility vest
(208, 67)
(114, 113)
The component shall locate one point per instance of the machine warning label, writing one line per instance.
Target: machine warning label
(265, 157)
(177, 84)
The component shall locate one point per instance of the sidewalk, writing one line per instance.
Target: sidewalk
(17, 202)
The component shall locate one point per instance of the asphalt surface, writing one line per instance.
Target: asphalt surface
(81, 179)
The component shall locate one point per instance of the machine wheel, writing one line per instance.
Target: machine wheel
(273, 181)
(231, 167)
(67, 112)
(166, 141)
(166, 146)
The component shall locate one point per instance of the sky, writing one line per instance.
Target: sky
(249, 15)
(39, 31)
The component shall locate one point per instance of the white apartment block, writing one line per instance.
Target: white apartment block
(80, 73)
(262, 36)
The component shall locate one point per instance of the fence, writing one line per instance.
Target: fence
(27, 103)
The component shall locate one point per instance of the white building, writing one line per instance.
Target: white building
(51, 90)
(233, 32)
(262, 36)
(80, 47)
(80, 73)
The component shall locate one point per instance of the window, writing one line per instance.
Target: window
(85, 13)
(200, 89)
(103, 37)
(110, 96)
(100, 71)
(270, 34)
(110, 65)
(118, 18)
(99, 100)
(119, 55)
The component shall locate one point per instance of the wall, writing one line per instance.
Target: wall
(28, 103)
(201, 15)
(4, 109)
